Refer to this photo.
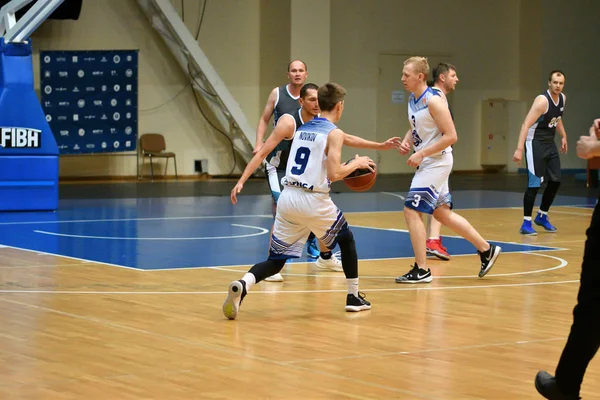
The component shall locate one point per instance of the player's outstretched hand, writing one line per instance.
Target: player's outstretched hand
(392, 143)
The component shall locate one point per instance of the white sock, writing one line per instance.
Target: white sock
(352, 286)
(527, 218)
(543, 212)
(433, 238)
(250, 280)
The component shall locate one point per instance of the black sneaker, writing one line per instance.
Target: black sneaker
(235, 295)
(547, 387)
(357, 303)
(488, 258)
(415, 275)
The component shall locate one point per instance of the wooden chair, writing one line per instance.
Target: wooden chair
(153, 145)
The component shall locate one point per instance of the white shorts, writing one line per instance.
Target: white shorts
(429, 188)
(300, 212)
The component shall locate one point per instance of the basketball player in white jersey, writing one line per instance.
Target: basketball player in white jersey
(285, 129)
(429, 116)
(305, 205)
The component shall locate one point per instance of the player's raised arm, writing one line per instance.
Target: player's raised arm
(335, 169)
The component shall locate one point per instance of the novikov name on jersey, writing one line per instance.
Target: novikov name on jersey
(19, 138)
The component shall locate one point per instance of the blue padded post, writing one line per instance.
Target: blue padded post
(28, 151)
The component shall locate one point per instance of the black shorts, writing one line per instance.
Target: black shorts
(543, 162)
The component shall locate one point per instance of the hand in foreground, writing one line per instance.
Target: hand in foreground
(586, 145)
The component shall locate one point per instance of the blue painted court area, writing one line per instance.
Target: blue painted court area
(168, 233)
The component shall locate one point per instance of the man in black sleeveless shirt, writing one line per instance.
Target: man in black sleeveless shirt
(282, 100)
(543, 162)
(584, 339)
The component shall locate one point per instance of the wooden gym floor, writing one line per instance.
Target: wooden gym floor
(77, 324)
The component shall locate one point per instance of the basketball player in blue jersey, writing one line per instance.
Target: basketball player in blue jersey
(305, 205)
(283, 100)
(543, 161)
(429, 193)
(584, 338)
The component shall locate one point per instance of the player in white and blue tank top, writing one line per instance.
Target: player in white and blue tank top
(429, 116)
(305, 205)
(305, 171)
(418, 115)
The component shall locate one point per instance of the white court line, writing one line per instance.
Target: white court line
(563, 263)
(394, 194)
(368, 290)
(570, 213)
(439, 349)
(78, 221)
(225, 268)
(457, 237)
(212, 217)
(72, 258)
(262, 231)
(45, 266)
(585, 206)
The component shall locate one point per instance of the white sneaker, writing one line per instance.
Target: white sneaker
(274, 278)
(333, 264)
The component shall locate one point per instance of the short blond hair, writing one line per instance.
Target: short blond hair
(420, 64)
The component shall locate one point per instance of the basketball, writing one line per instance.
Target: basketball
(361, 180)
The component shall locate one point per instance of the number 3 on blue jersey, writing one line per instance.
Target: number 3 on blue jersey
(301, 160)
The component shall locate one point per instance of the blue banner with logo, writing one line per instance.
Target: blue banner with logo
(90, 99)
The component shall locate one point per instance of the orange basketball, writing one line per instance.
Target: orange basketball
(361, 180)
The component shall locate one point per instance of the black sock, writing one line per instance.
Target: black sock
(310, 237)
(529, 200)
(549, 195)
(326, 255)
(349, 256)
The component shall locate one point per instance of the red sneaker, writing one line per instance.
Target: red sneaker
(435, 248)
(442, 246)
